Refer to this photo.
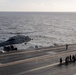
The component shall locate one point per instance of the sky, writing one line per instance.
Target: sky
(38, 5)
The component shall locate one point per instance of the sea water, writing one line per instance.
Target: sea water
(45, 28)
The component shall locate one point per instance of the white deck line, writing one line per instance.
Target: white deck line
(36, 69)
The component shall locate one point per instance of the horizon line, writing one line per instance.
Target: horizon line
(43, 11)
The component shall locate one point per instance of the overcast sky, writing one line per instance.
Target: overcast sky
(38, 5)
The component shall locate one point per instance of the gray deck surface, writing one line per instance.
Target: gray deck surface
(37, 62)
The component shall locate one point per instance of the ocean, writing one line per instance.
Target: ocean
(45, 28)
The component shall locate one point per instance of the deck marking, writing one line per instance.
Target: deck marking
(33, 59)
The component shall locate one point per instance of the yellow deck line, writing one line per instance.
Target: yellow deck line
(33, 59)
